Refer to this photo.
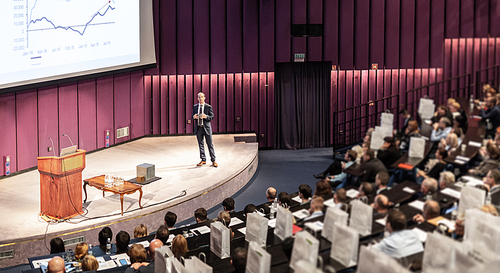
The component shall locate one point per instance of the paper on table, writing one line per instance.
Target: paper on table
(472, 181)
(301, 214)
(463, 158)
(422, 235)
(381, 221)
(408, 190)
(297, 199)
(474, 143)
(329, 203)
(417, 204)
(170, 238)
(315, 226)
(451, 192)
(272, 223)
(235, 221)
(202, 229)
(243, 230)
(448, 223)
(103, 264)
(144, 243)
(352, 193)
(118, 257)
(460, 162)
(260, 213)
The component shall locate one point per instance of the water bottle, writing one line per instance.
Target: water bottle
(274, 207)
(90, 250)
(454, 212)
(108, 246)
(488, 199)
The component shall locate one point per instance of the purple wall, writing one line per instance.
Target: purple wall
(227, 49)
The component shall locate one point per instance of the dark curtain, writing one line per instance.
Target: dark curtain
(302, 101)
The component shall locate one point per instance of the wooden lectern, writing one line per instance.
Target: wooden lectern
(61, 185)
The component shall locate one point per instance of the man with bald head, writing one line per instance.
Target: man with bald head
(56, 265)
(429, 185)
(431, 210)
(270, 194)
(380, 205)
(152, 247)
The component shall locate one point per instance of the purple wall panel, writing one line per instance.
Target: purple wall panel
(250, 36)
(447, 57)
(184, 36)
(466, 18)
(221, 117)
(168, 48)
(346, 25)
(432, 79)
(266, 42)
(172, 105)
(315, 11)
(238, 101)
(481, 8)
(159, 102)
(105, 113)
(27, 129)
(362, 35)
(181, 105)
(357, 87)
(68, 113)
(380, 87)
(137, 104)
(484, 57)
(235, 37)
(86, 116)
(402, 89)
(299, 11)
(364, 93)
(157, 26)
(314, 49)
(270, 109)
(394, 91)
(422, 41)
(246, 100)
(262, 110)
(299, 45)
(387, 86)
(494, 18)
(47, 121)
(454, 62)
(191, 96)
(417, 82)
(214, 96)
(217, 36)
(330, 31)
(283, 25)
(333, 102)
(148, 129)
(254, 103)
(477, 54)
(408, 40)
(201, 32)
(8, 132)
(205, 87)
(372, 85)
(452, 21)
(348, 86)
(122, 104)
(491, 57)
(437, 33)
(377, 30)
(392, 33)
(461, 61)
(197, 86)
(409, 86)
(230, 102)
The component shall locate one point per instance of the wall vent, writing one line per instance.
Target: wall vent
(7, 254)
(74, 241)
(122, 132)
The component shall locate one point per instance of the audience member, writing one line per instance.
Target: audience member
(441, 129)
(335, 169)
(365, 192)
(401, 242)
(429, 185)
(104, 234)
(382, 182)
(170, 219)
(323, 189)
(250, 208)
(490, 162)
(179, 246)
(340, 199)
(270, 194)
(155, 243)
(56, 265)
(162, 234)
(380, 205)
(446, 180)
(140, 231)
(431, 210)
(90, 263)
(228, 204)
(405, 114)
(442, 111)
(200, 215)
(284, 199)
(225, 218)
(373, 166)
(490, 113)
(450, 143)
(239, 260)
(492, 179)
(305, 193)
(389, 152)
(440, 154)
(411, 131)
(81, 250)
(144, 266)
(316, 208)
(138, 256)
(122, 241)
(350, 158)
(56, 245)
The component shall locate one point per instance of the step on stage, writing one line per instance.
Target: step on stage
(183, 187)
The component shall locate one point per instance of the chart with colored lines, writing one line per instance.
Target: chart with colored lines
(67, 34)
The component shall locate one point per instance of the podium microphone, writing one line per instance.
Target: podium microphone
(52, 146)
(69, 139)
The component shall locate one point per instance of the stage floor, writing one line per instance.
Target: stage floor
(175, 159)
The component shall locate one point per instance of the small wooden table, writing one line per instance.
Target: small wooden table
(126, 188)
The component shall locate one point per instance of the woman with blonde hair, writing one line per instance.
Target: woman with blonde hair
(89, 263)
(179, 246)
(81, 250)
(140, 231)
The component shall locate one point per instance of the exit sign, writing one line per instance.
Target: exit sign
(299, 57)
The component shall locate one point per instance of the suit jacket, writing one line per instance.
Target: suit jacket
(495, 196)
(207, 110)
(373, 167)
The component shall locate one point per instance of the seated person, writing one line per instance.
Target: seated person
(490, 113)
(316, 208)
(450, 143)
(284, 199)
(170, 219)
(57, 246)
(492, 180)
(250, 208)
(454, 109)
(90, 263)
(270, 194)
(405, 114)
(179, 246)
(162, 234)
(442, 111)
(122, 241)
(155, 243)
(323, 189)
(440, 154)
(373, 166)
(104, 235)
(401, 242)
(382, 182)
(380, 206)
(138, 256)
(489, 163)
(411, 131)
(305, 193)
(340, 199)
(56, 265)
(225, 218)
(389, 152)
(440, 129)
(81, 250)
(335, 169)
(140, 231)
(446, 180)
(365, 192)
(431, 210)
(200, 215)
(429, 186)
(239, 260)
(228, 204)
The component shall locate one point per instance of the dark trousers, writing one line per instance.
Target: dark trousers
(200, 134)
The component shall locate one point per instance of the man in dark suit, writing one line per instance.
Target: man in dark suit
(202, 115)
(492, 179)
(373, 166)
